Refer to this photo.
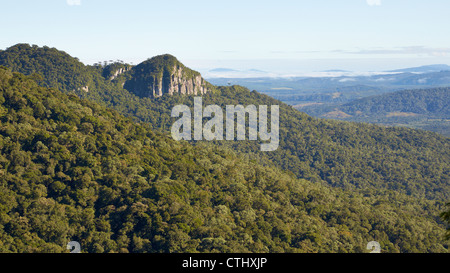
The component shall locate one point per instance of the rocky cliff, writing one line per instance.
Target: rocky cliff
(157, 76)
(119, 71)
(164, 74)
(112, 71)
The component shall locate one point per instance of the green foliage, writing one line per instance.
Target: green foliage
(72, 170)
(434, 101)
(156, 73)
(341, 154)
(426, 109)
(121, 186)
(57, 68)
(446, 217)
(111, 71)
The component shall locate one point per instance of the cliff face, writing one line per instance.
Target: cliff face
(177, 82)
(118, 72)
(164, 74)
(112, 71)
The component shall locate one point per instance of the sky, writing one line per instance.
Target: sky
(280, 36)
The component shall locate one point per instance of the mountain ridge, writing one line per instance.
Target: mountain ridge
(424, 68)
(164, 74)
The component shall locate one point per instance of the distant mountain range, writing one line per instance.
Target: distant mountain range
(236, 73)
(424, 69)
(338, 87)
(336, 92)
(223, 72)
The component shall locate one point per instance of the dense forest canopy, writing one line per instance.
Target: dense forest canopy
(120, 183)
(57, 68)
(73, 170)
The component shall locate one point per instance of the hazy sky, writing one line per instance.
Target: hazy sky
(279, 35)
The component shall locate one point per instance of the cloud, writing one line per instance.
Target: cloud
(73, 2)
(373, 2)
(347, 80)
(411, 50)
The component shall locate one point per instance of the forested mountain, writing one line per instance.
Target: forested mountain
(424, 69)
(397, 175)
(57, 68)
(420, 108)
(164, 74)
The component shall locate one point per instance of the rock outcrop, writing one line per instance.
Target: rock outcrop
(164, 74)
(119, 71)
(112, 71)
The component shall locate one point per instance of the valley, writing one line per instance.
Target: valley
(330, 95)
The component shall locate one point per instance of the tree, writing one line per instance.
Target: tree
(446, 217)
